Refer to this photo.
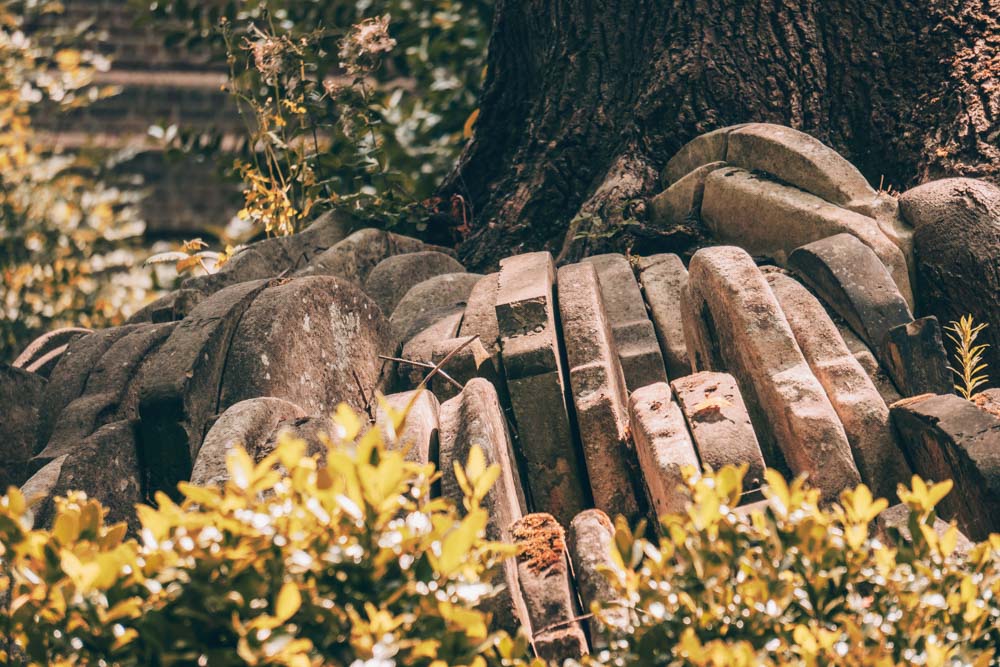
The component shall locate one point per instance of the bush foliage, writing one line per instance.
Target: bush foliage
(67, 239)
(351, 561)
(360, 106)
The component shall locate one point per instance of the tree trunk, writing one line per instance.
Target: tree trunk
(586, 100)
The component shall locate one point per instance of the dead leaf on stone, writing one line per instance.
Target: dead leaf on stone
(710, 407)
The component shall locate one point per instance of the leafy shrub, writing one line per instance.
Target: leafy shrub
(66, 238)
(351, 562)
(800, 584)
(291, 563)
(361, 106)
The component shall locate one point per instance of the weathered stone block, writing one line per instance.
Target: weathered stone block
(481, 316)
(591, 539)
(855, 283)
(474, 417)
(682, 200)
(468, 362)
(663, 446)
(988, 400)
(69, 377)
(720, 426)
(42, 354)
(851, 391)
(947, 437)
(703, 149)
(171, 307)
(317, 431)
(108, 396)
(598, 390)
(736, 325)
(916, 359)
(663, 278)
(419, 435)
(393, 277)
(530, 347)
(886, 389)
(179, 391)
(800, 160)
(355, 256)
(956, 243)
(20, 394)
(311, 341)
(634, 335)
(426, 302)
(247, 424)
(420, 349)
(105, 465)
(767, 218)
(275, 256)
(546, 584)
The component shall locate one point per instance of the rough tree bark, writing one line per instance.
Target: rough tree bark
(586, 100)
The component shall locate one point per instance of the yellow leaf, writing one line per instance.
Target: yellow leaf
(485, 482)
(289, 601)
(68, 59)
(240, 467)
(777, 490)
(204, 496)
(456, 546)
(938, 491)
(66, 527)
(476, 464)
(347, 422)
(188, 263)
(949, 541)
(470, 122)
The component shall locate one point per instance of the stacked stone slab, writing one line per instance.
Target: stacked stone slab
(720, 427)
(634, 335)
(20, 393)
(851, 391)
(475, 418)
(429, 301)
(418, 436)
(529, 341)
(248, 424)
(856, 284)
(42, 355)
(106, 396)
(543, 574)
(956, 224)
(391, 279)
(314, 341)
(591, 540)
(769, 189)
(598, 389)
(947, 437)
(768, 369)
(663, 446)
(663, 278)
(733, 323)
(180, 392)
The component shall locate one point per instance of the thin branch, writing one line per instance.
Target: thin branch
(423, 364)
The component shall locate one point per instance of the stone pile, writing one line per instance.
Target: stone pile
(593, 386)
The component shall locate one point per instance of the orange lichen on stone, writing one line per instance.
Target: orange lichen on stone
(541, 542)
(989, 401)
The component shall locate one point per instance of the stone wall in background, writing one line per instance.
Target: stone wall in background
(159, 86)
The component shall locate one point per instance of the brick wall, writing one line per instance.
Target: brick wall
(159, 86)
